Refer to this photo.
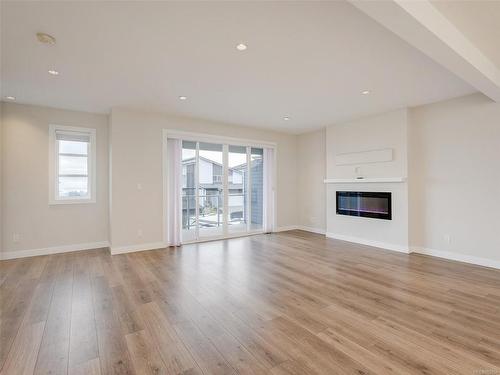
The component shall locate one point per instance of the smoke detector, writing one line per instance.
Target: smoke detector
(45, 38)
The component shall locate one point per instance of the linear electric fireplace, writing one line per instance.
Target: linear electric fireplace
(366, 204)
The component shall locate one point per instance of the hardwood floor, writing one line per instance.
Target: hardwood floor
(287, 303)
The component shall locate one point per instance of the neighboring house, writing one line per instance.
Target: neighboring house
(210, 192)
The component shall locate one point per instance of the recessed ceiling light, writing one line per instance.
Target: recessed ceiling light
(241, 47)
(10, 97)
(182, 97)
(53, 72)
(45, 38)
(366, 92)
(286, 118)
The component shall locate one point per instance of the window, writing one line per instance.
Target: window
(72, 164)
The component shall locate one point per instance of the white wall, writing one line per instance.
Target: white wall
(311, 171)
(1, 178)
(455, 177)
(388, 130)
(25, 180)
(137, 159)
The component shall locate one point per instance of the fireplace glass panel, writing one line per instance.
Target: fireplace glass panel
(365, 204)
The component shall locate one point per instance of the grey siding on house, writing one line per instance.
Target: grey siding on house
(217, 170)
(257, 191)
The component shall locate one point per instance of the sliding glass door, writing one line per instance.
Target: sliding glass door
(256, 189)
(210, 190)
(237, 184)
(222, 190)
(189, 182)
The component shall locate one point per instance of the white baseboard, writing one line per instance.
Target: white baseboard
(310, 229)
(363, 241)
(221, 238)
(300, 227)
(285, 228)
(457, 256)
(140, 247)
(52, 250)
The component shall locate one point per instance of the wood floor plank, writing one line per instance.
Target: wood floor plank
(135, 285)
(237, 355)
(83, 335)
(292, 367)
(12, 314)
(42, 297)
(285, 303)
(172, 350)
(6, 267)
(91, 367)
(23, 354)
(113, 354)
(144, 355)
(204, 352)
(53, 355)
(360, 353)
(126, 310)
(260, 346)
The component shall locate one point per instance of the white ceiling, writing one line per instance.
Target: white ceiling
(306, 60)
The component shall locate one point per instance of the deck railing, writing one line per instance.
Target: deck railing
(211, 205)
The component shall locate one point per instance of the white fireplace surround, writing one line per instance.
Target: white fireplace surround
(369, 155)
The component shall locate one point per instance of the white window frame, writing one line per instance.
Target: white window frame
(54, 197)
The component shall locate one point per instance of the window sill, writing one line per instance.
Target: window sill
(56, 202)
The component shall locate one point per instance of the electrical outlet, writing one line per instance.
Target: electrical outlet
(139, 186)
(16, 237)
(139, 232)
(447, 239)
